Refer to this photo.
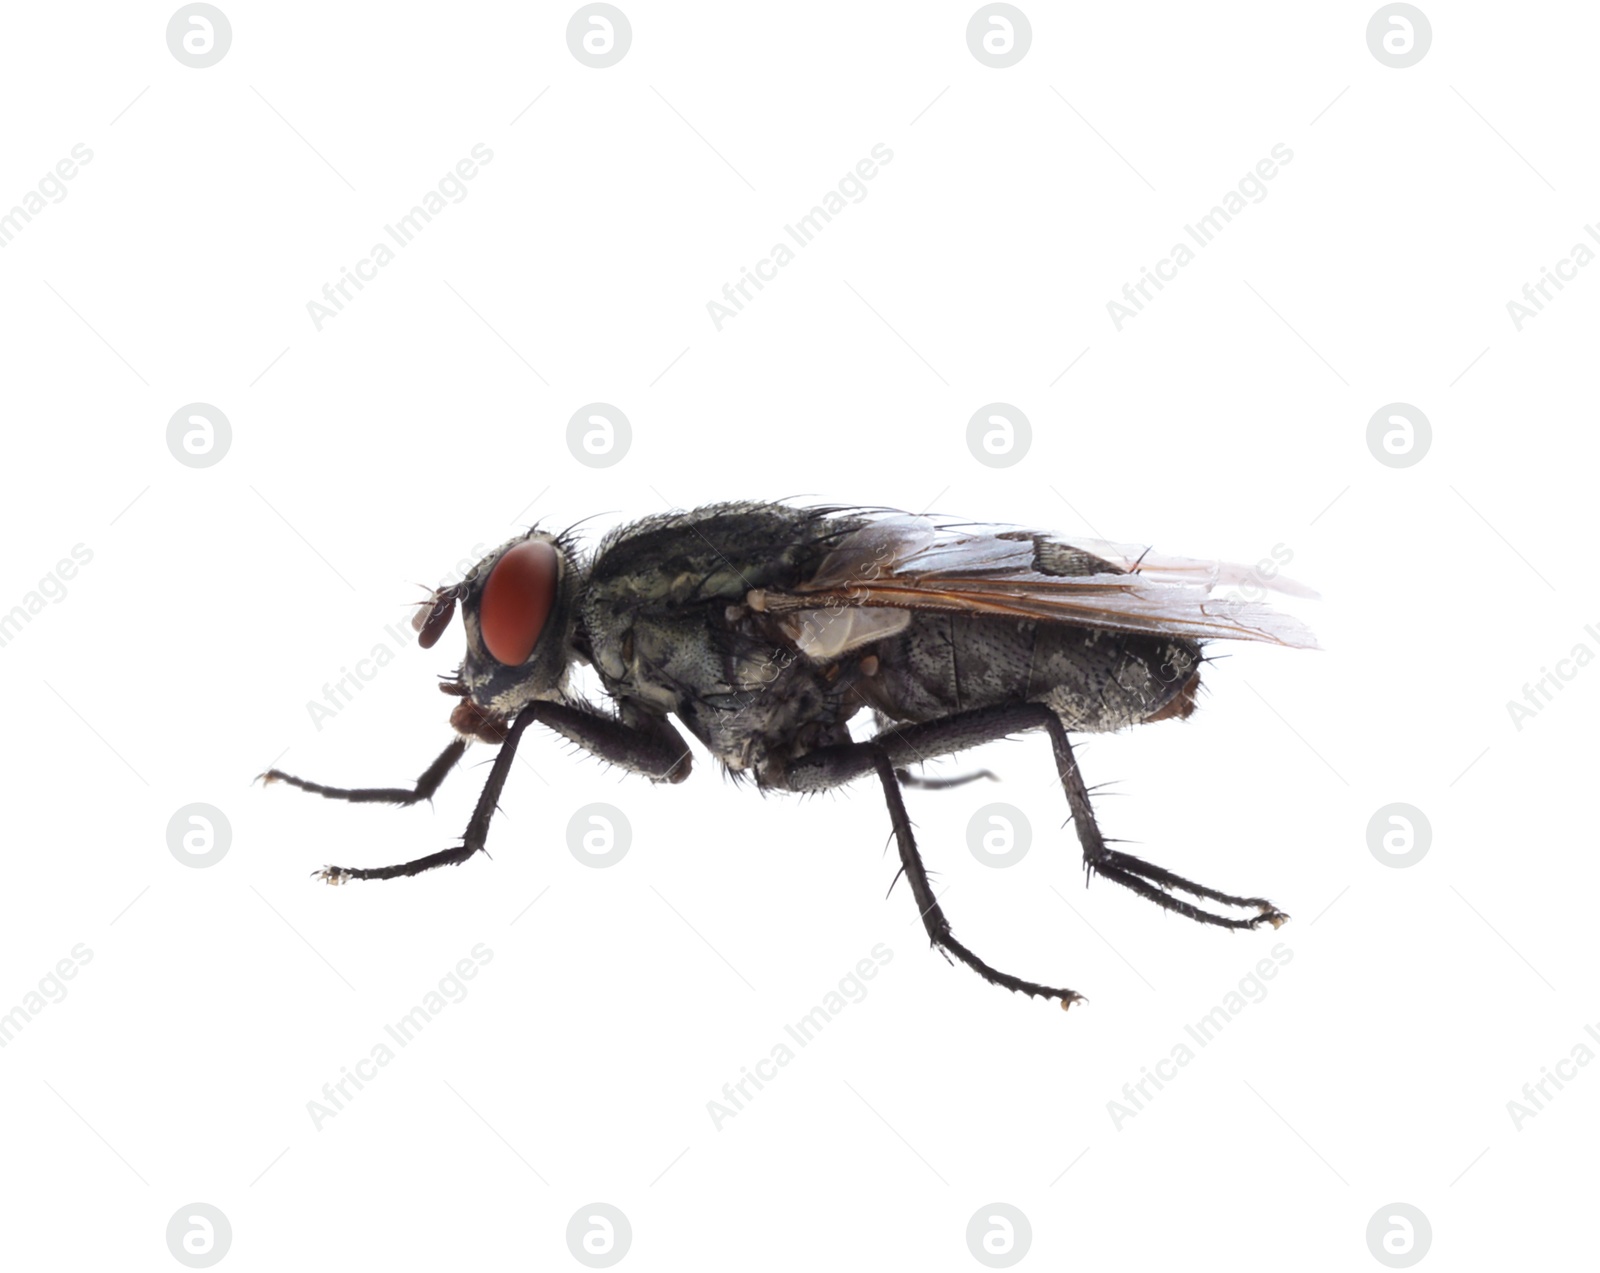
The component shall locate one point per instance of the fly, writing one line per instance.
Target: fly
(764, 629)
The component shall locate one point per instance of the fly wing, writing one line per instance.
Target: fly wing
(911, 563)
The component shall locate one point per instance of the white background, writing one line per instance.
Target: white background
(371, 456)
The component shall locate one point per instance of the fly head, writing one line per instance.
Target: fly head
(518, 606)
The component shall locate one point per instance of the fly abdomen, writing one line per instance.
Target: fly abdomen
(1095, 679)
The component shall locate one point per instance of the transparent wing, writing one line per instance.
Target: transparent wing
(912, 563)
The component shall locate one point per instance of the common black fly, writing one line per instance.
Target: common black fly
(765, 628)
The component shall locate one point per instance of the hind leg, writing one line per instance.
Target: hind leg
(906, 744)
(1144, 878)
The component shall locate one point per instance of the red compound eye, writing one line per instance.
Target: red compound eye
(517, 599)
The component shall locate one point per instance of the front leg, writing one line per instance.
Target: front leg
(651, 747)
(646, 744)
(472, 839)
(422, 789)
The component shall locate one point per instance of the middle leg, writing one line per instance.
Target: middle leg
(933, 919)
(833, 766)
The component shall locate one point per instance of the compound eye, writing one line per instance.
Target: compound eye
(516, 601)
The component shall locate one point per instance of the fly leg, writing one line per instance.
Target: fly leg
(912, 744)
(906, 744)
(833, 766)
(909, 779)
(647, 744)
(650, 747)
(423, 789)
(938, 927)
(477, 832)
(1144, 878)
(922, 782)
